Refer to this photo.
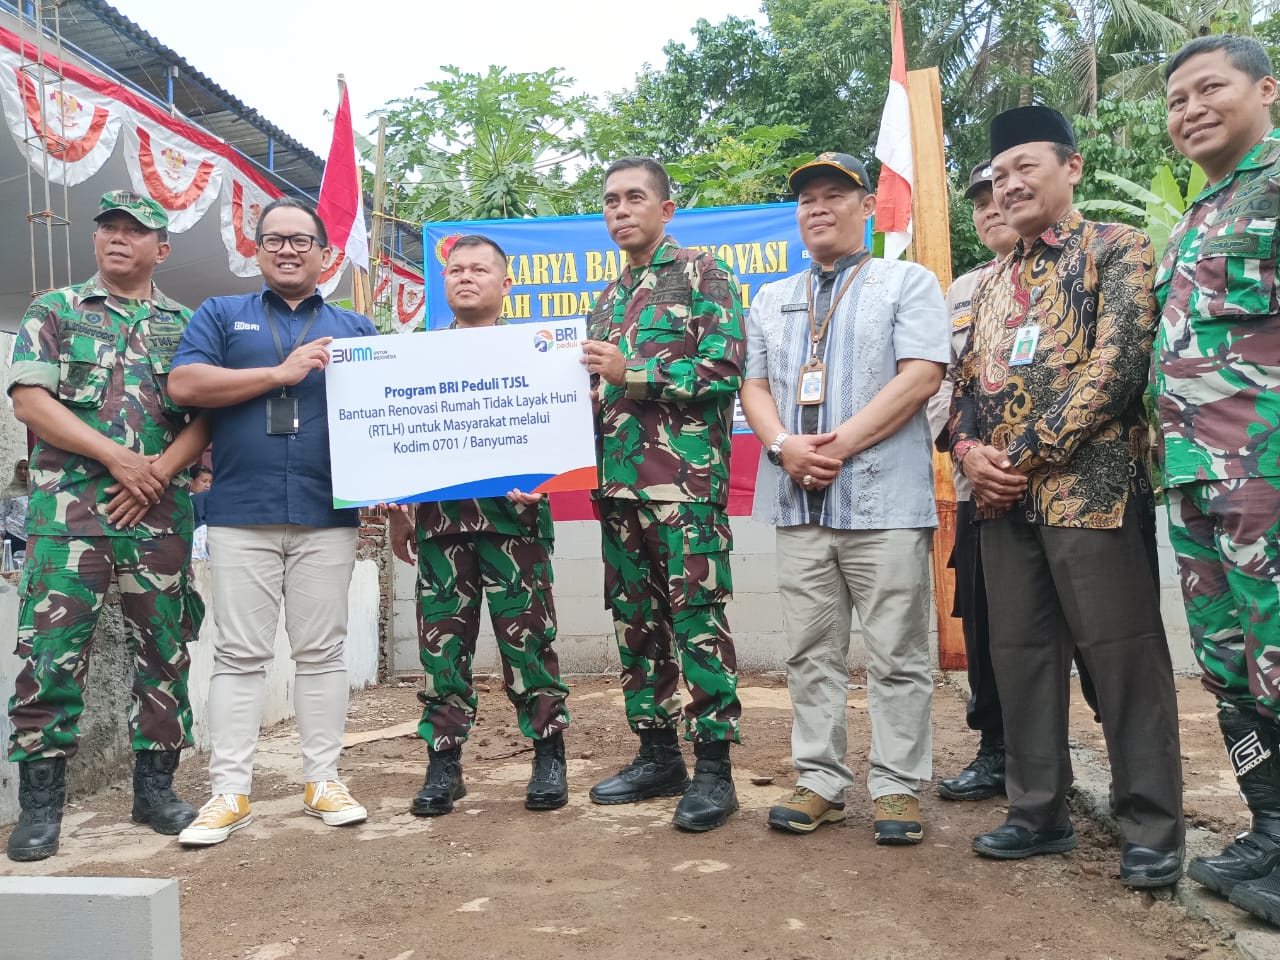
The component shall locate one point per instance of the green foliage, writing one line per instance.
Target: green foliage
(484, 146)
(738, 103)
(749, 168)
(1156, 209)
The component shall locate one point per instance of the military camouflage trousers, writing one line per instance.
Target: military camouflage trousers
(666, 581)
(1226, 534)
(514, 575)
(64, 583)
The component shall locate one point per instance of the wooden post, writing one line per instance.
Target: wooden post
(931, 243)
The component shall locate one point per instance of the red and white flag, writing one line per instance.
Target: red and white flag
(893, 150)
(341, 205)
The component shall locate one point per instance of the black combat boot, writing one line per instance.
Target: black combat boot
(549, 785)
(443, 784)
(42, 791)
(154, 801)
(1253, 746)
(657, 771)
(981, 779)
(711, 797)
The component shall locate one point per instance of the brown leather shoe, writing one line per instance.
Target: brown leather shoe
(897, 820)
(804, 811)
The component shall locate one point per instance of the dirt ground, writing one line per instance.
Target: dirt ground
(493, 880)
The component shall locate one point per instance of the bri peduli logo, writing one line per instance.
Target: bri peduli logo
(561, 338)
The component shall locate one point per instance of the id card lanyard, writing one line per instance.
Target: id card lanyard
(282, 412)
(812, 387)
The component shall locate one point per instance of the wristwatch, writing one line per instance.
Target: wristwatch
(774, 453)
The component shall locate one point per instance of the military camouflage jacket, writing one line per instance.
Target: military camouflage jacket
(444, 518)
(107, 361)
(665, 434)
(1072, 419)
(1217, 372)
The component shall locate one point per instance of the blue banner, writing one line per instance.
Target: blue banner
(559, 265)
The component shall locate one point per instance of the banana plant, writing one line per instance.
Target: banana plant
(1157, 208)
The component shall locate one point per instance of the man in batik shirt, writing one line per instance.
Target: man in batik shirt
(1048, 427)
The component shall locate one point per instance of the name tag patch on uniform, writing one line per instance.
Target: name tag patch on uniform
(794, 307)
(89, 330)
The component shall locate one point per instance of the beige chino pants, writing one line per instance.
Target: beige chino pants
(823, 575)
(257, 571)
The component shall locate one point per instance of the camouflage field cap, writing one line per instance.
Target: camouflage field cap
(830, 162)
(143, 209)
(979, 177)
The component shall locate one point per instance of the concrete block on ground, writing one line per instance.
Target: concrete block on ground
(123, 918)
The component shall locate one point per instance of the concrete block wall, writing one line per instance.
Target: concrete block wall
(105, 752)
(585, 642)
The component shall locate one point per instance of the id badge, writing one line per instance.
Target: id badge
(282, 416)
(812, 389)
(1024, 345)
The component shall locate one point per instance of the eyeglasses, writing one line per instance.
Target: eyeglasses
(274, 242)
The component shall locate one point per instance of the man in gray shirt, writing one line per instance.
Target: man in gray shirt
(841, 360)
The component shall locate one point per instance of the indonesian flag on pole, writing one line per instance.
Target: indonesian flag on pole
(341, 205)
(893, 150)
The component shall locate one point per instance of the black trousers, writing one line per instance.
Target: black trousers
(982, 713)
(1060, 590)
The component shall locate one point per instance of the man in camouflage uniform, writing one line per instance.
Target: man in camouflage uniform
(497, 548)
(1217, 391)
(667, 348)
(109, 496)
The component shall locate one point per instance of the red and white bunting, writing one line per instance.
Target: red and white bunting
(71, 124)
(408, 299)
(332, 274)
(180, 176)
(242, 205)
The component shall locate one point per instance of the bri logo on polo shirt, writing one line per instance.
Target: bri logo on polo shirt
(241, 325)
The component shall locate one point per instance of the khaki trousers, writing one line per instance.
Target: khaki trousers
(823, 575)
(257, 571)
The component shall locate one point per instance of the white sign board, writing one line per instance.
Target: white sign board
(453, 414)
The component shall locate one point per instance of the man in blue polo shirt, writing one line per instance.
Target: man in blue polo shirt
(257, 362)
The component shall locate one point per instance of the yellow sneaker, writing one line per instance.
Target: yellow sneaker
(224, 814)
(332, 802)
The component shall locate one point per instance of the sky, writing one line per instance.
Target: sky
(284, 59)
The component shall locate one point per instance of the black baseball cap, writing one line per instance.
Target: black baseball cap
(979, 176)
(830, 162)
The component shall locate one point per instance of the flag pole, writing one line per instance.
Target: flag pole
(378, 264)
(931, 248)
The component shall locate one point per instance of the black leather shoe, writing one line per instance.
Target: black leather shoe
(982, 778)
(442, 786)
(711, 799)
(1008, 842)
(154, 801)
(657, 771)
(549, 785)
(1144, 867)
(1251, 856)
(1260, 897)
(42, 793)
